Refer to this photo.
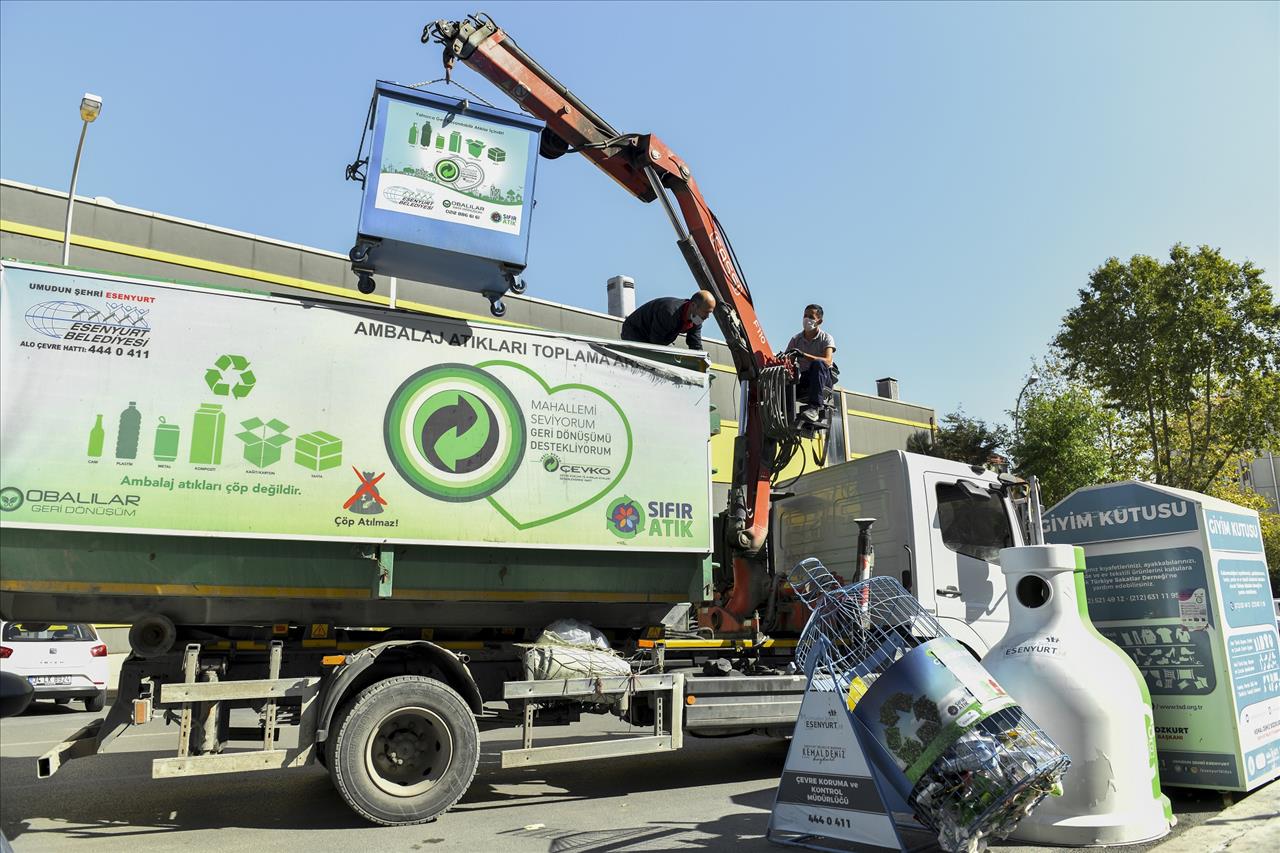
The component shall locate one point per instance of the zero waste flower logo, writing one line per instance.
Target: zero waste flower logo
(625, 517)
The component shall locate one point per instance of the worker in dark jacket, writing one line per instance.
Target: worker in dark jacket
(661, 321)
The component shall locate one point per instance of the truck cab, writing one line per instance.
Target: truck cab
(939, 529)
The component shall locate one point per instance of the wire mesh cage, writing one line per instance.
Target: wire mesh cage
(960, 751)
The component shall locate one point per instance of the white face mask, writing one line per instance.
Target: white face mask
(695, 319)
(810, 324)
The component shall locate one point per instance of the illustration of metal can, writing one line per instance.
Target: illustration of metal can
(166, 448)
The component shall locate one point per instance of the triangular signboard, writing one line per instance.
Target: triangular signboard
(830, 797)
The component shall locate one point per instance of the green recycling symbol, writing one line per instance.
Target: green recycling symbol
(230, 376)
(454, 432)
(447, 171)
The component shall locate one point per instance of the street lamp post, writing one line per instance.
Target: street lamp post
(90, 106)
(1017, 407)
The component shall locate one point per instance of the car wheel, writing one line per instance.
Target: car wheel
(405, 750)
(96, 702)
(61, 701)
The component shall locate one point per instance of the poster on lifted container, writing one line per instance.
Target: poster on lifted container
(132, 406)
(439, 164)
(1179, 581)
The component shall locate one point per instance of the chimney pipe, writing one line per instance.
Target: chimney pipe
(622, 295)
(887, 388)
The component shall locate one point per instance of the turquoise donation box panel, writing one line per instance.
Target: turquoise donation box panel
(448, 195)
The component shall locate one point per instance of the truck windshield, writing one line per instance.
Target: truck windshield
(971, 525)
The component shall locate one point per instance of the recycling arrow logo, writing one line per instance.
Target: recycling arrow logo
(460, 436)
(454, 432)
(230, 376)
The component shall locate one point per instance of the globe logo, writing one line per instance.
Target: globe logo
(54, 319)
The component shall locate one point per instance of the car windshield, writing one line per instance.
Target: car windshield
(975, 526)
(31, 632)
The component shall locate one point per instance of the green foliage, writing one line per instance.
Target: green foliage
(1188, 352)
(961, 438)
(1068, 438)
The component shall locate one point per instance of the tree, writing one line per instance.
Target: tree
(961, 438)
(1068, 437)
(1188, 351)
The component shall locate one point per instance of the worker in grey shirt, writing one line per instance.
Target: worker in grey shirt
(817, 351)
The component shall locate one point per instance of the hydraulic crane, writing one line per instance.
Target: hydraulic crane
(648, 169)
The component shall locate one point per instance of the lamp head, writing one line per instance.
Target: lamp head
(90, 106)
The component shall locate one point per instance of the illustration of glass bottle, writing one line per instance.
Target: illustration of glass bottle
(206, 434)
(166, 446)
(130, 429)
(426, 134)
(97, 436)
(413, 134)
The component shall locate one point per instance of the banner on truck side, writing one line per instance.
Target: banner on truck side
(133, 406)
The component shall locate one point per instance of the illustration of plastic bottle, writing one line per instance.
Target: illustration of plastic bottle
(413, 134)
(455, 142)
(130, 429)
(426, 134)
(97, 436)
(166, 447)
(206, 435)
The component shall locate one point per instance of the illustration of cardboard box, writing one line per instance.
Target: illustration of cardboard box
(262, 441)
(497, 155)
(318, 451)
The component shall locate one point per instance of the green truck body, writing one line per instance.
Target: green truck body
(253, 521)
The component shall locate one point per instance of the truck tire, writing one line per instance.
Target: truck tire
(404, 750)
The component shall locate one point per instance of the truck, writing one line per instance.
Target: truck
(938, 528)
(354, 521)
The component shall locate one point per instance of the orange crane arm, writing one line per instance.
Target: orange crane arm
(647, 168)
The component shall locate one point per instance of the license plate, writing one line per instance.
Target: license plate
(41, 680)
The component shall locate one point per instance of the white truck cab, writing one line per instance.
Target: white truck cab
(939, 529)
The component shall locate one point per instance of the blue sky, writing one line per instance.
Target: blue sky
(942, 178)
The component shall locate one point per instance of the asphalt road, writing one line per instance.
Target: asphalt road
(712, 795)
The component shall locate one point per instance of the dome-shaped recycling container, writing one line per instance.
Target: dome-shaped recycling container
(1088, 696)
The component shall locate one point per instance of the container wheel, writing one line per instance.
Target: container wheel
(405, 750)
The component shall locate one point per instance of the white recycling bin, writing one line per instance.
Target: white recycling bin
(1088, 696)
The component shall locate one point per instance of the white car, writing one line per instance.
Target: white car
(62, 662)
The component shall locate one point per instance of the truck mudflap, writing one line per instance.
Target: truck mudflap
(742, 702)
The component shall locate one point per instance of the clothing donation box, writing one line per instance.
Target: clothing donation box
(1178, 580)
(448, 193)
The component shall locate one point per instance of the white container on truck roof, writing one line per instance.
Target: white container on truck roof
(939, 529)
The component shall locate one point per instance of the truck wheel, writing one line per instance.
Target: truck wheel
(405, 750)
(96, 702)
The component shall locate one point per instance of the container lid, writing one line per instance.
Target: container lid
(1038, 558)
